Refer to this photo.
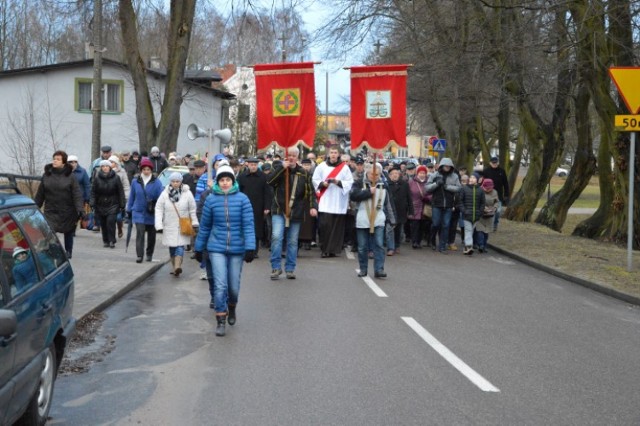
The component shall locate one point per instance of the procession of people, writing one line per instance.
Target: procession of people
(280, 202)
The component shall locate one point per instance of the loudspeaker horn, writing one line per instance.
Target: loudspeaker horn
(223, 134)
(195, 132)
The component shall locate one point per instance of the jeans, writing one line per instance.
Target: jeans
(227, 269)
(375, 240)
(469, 229)
(390, 237)
(496, 217)
(482, 238)
(176, 251)
(277, 235)
(150, 230)
(441, 220)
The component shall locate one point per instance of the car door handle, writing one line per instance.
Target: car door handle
(4, 341)
(46, 308)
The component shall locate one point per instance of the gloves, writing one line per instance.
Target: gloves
(439, 180)
(158, 231)
(198, 256)
(249, 255)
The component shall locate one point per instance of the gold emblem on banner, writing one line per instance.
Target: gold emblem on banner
(378, 104)
(286, 102)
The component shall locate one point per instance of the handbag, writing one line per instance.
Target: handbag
(87, 218)
(427, 210)
(186, 228)
(151, 204)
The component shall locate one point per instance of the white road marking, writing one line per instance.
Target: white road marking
(450, 357)
(373, 286)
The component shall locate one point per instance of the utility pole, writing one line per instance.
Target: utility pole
(284, 52)
(96, 103)
(377, 45)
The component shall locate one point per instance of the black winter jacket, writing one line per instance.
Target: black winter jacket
(107, 194)
(472, 202)
(60, 193)
(401, 197)
(303, 189)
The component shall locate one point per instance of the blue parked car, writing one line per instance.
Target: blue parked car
(36, 301)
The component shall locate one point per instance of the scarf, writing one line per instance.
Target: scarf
(174, 194)
(145, 179)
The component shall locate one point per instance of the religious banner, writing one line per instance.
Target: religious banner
(286, 104)
(379, 106)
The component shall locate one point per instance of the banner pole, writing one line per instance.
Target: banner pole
(372, 213)
(286, 190)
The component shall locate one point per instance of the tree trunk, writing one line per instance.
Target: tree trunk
(145, 119)
(554, 212)
(180, 29)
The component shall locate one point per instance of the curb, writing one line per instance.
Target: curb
(124, 290)
(585, 283)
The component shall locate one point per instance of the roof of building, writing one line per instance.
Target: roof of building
(200, 78)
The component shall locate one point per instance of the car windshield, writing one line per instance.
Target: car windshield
(163, 177)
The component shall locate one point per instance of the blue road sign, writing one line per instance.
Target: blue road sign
(440, 145)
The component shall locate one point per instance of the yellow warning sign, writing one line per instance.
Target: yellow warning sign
(627, 123)
(627, 79)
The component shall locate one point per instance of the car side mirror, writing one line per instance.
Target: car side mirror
(8, 323)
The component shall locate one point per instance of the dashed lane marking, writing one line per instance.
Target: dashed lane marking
(373, 286)
(450, 357)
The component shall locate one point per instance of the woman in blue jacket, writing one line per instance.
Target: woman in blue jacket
(145, 190)
(226, 231)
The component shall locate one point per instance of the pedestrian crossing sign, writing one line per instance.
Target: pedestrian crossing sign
(440, 145)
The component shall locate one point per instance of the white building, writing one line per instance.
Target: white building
(46, 108)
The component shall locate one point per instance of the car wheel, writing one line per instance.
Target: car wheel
(562, 174)
(40, 404)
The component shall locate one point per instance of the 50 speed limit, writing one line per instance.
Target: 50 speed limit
(627, 123)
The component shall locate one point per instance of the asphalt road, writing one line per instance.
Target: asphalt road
(446, 339)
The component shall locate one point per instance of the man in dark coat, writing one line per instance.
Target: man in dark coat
(401, 198)
(129, 164)
(253, 183)
(159, 163)
(500, 183)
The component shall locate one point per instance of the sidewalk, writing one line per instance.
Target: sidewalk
(102, 275)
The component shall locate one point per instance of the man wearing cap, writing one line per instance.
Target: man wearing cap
(190, 178)
(199, 168)
(159, 163)
(332, 181)
(129, 165)
(253, 183)
(409, 172)
(500, 183)
(105, 153)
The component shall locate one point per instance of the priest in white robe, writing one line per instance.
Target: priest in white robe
(332, 181)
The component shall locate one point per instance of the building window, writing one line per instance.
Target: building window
(112, 95)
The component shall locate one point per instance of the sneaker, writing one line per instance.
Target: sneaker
(96, 229)
(203, 275)
(291, 275)
(275, 274)
(468, 250)
(453, 247)
(380, 274)
(362, 273)
(370, 255)
(390, 252)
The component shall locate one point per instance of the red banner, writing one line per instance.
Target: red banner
(286, 104)
(379, 106)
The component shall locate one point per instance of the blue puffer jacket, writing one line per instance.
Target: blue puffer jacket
(138, 203)
(226, 225)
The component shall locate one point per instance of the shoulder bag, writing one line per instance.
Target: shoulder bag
(186, 228)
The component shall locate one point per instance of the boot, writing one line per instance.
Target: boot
(220, 329)
(231, 319)
(177, 263)
(173, 265)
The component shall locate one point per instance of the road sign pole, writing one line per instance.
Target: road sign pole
(632, 172)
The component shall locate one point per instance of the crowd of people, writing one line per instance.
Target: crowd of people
(280, 203)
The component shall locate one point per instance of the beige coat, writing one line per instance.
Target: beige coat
(167, 219)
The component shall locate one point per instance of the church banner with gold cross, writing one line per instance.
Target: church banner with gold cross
(379, 106)
(286, 104)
